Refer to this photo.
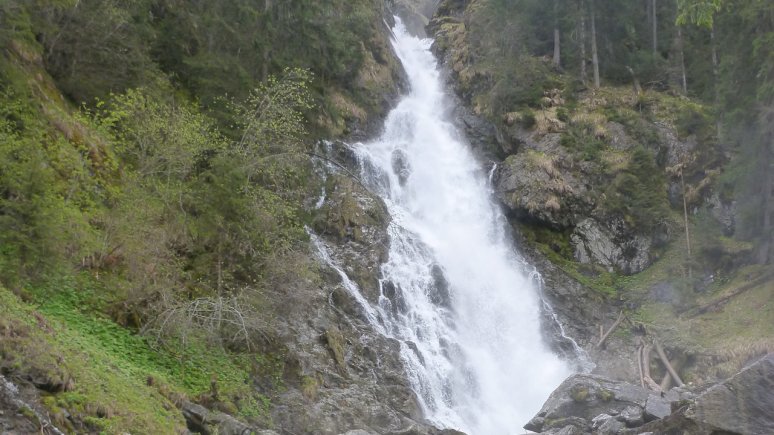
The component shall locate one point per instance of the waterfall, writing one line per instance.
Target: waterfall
(454, 291)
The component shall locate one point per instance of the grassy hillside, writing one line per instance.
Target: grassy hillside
(153, 174)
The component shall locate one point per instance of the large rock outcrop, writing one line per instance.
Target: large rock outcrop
(585, 404)
(611, 246)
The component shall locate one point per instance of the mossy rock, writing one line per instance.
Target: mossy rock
(605, 395)
(335, 341)
(579, 393)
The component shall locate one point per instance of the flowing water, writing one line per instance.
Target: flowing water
(454, 290)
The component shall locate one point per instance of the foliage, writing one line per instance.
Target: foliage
(699, 12)
(272, 116)
(639, 192)
(42, 219)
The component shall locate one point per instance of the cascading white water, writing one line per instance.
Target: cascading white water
(454, 291)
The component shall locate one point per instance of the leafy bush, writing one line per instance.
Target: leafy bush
(639, 193)
(523, 83)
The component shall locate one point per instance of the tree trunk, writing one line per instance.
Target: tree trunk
(266, 54)
(583, 75)
(767, 192)
(687, 230)
(610, 331)
(714, 51)
(667, 365)
(557, 45)
(683, 78)
(654, 22)
(716, 77)
(594, 54)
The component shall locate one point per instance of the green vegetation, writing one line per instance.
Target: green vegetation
(153, 169)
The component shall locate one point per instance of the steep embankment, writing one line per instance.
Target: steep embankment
(600, 185)
(155, 182)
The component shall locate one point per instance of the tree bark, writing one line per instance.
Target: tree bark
(639, 364)
(666, 381)
(654, 22)
(683, 76)
(612, 328)
(266, 54)
(557, 44)
(668, 366)
(583, 75)
(767, 191)
(687, 230)
(594, 53)
(716, 77)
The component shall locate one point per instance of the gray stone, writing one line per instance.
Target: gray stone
(599, 420)
(569, 430)
(613, 246)
(723, 212)
(606, 424)
(527, 184)
(583, 397)
(742, 404)
(204, 421)
(535, 424)
(657, 407)
(632, 416)
(611, 426)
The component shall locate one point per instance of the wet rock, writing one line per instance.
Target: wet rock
(534, 187)
(723, 212)
(358, 432)
(355, 222)
(612, 246)
(582, 398)
(394, 295)
(605, 424)
(631, 416)
(567, 430)
(739, 405)
(21, 412)
(415, 14)
(203, 421)
(401, 166)
(742, 404)
(656, 407)
(439, 292)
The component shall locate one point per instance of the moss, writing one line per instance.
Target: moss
(310, 387)
(335, 342)
(605, 395)
(579, 393)
(30, 414)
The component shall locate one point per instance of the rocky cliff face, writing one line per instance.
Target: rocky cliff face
(595, 183)
(574, 159)
(594, 404)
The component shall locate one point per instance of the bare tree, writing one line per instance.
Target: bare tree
(681, 52)
(594, 54)
(582, 13)
(654, 23)
(557, 44)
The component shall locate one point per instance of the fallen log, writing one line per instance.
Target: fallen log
(612, 328)
(717, 304)
(639, 364)
(667, 365)
(652, 384)
(666, 381)
(646, 360)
